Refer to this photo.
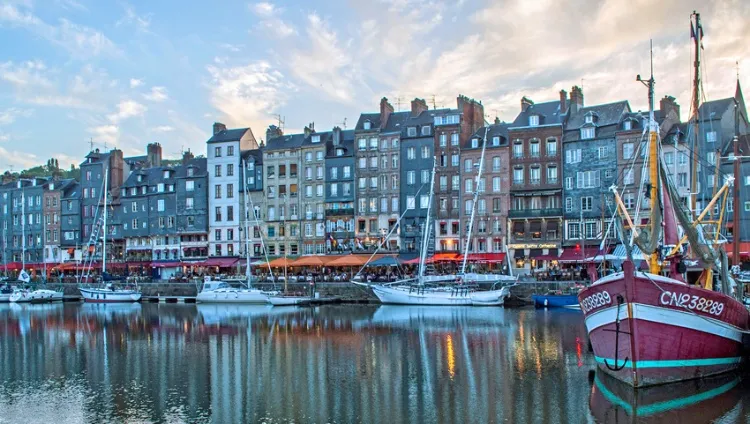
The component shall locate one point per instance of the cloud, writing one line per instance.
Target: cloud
(8, 116)
(270, 22)
(79, 40)
(333, 76)
(141, 22)
(105, 134)
(234, 48)
(162, 129)
(134, 83)
(127, 109)
(157, 94)
(17, 159)
(71, 4)
(249, 94)
(264, 9)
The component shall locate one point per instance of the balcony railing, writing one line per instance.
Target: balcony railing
(340, 211)
(534, 213)
(535, 181)
(552, 180)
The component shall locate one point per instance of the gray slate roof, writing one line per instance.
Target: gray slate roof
(499, 130)
(228, 135)
(288, 141)
(714, 109)
(549, 113)
(374, 119)
(606, 114)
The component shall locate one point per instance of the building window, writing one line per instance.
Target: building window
(711, 157)
(454, 139)
(425, 130)
(230, 191)
(410, 202)
(711, 137)
(517, 175)
(629, 177)
(588, 179)
(495, 141)
(189, 203)
(586, 203)
(551, 174)
(573, 230)
(411, 131)
(443, 140)
(573, 156)
(217, 191)
(669, 158)
(588, 133)
(425, 152)
(367, 125)
(533, 120)
(627, 125)
(603, 152)
(217, 214)
(217, 152)
(627, 150)
(518, 149)
(474, 143)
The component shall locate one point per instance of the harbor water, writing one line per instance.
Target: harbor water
(71, 363)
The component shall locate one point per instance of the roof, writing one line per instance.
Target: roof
(199, 164)
(257, 154)
(606, 114)
(288, 141)
(347, 142)
(395, 122)
(714, 109)
(493, 130)
(135, 159)
(228, 135)
(374, 119)
(96, 157)
(548, 111)
(426, 117)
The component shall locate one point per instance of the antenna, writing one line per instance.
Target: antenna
(91, 142)
(398, 104)
(343, 124)
(433, 102)
(280, 121)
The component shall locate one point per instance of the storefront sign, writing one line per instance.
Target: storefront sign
(532, 246)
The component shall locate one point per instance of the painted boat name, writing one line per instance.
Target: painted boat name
(596, 300)
(696, 303)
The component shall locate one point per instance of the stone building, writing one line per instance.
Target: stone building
(339, 190)
(493, 200)
(535, 216)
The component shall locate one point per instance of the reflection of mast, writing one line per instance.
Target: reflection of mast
(696, 33)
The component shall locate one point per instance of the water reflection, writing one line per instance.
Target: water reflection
(235, 363)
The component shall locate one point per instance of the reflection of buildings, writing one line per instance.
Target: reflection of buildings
(342, 364)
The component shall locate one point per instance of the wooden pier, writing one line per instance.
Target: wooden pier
(168, 299)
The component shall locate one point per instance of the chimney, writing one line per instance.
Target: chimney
(187, 156)
(497, 121)
(418, 106)
(668, 104)
(273, 131)
(153, 155)
(219, 127)
(386, 109)
(576, 99)
(525, 103)
(337, 135)
(563, 102)
(308, 131)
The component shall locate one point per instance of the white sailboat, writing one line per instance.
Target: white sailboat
(214, 291)
(422, 291)
(109, 293)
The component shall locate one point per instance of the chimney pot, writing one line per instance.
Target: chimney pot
(219, 127)
(563, 102)
(418, 106)
(525, 103)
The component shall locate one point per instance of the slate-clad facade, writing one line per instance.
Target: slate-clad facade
(191, 207)
(417, 165)
(70, 202)
(590, 169)
(252, 189)
(339, 191)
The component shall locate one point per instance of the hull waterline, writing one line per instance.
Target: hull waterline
(109, 296)
(404, 295)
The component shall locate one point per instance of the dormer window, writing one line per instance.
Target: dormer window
(367, 125)
(411, 131)
(316, 138)
(589, 119)
(339, 152)
(627, 125)
(495, 141)
(140, 178)
(588, 133)
(166, 174)
(474, 143)
(190, 172)
(426, 130)
(533, 120)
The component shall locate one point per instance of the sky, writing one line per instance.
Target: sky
(126, 74)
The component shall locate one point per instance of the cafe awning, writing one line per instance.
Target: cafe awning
(486, 257)
(220, 262)
(312, 260)
(384, 261)
(572, 255)
(349, 260)
(281, 262)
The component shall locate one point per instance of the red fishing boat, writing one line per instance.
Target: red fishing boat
(649, 328)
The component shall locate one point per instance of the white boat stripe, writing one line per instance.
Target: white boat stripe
(665, 316)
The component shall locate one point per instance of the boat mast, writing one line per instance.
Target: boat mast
(247, 221)
(696, 32)
(23, 228)
(737, 177)
(104, 238)
(426, 235)
(653, 157)
(474, 204)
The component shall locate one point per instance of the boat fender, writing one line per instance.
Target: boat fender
(546, 302)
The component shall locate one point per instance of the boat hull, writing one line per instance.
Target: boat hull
(288, 300)
(448, 297)
(109, 296)
(556, 301)
(647, 329)
(250, 297)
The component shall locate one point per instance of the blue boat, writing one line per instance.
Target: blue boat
(556, 301)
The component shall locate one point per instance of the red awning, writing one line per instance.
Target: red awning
(439, 257)
(571, 255)
(486, 257)
(167, 264)
(13, 266)
(552, 256)
(744, 249)
(220, 262)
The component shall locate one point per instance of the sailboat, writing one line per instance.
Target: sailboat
(26, 295)
(422, 290)
(109, 293)
(222, 292)
(647, 328)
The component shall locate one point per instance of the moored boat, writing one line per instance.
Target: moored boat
(650, 328)
(554, 300)
(288, 300)
(109, 294)
(222, 292)
(405, 294)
